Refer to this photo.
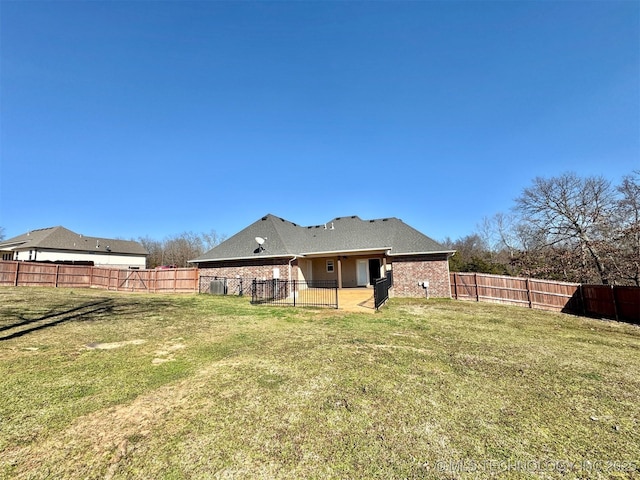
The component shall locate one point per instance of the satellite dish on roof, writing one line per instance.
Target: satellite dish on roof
(259, 241)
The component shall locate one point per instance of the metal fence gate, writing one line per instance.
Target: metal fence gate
(381, 290)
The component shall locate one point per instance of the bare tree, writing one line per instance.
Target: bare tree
(625, 258)
(177, 250)
(570, 213)
(156, 252)
(211, 239)
(1, 233)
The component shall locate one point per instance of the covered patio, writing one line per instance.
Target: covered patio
(350, 269)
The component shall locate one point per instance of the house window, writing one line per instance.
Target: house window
(330, 266)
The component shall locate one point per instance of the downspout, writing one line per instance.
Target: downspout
(295, 257)
(292, 285)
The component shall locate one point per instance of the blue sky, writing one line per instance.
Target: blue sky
(134, 119)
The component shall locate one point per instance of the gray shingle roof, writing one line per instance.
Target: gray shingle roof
(60, 238)
(342, 234)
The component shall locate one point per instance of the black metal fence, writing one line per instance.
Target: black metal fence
(381, 290)
(319, 293)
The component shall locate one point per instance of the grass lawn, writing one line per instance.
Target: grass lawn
(96, 384)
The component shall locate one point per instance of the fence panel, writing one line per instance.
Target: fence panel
(37, 275)
(554, 296)
(615, 302)
(32, 274)
(317, 293)
(8, 274)
(100, 277)
(599, 301)
(381, 291)
(627, 303)
(526, 292)
(176, 280)
(73, 276)
(499, 289)
(464, 286)
(133, 280)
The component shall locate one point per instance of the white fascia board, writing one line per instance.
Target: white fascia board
(422, 253)
(288, 255)
(342, 252)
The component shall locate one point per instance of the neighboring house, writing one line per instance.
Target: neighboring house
(57, 244)
(349, 250)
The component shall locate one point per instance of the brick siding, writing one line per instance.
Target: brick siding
(246, 271)
(409, 271)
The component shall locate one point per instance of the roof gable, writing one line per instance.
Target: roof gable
(342, 234)
(60, 238)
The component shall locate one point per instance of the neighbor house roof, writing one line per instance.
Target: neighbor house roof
(60, 238)
(342, 234)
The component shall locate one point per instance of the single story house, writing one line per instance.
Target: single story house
(352, 251)
(60, 245)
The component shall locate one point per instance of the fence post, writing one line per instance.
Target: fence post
(196, 280)
(455, 285)
(528, 285)
(15, 282)
(615, 302)
(57, 274)
(583, 306)
(475, 279)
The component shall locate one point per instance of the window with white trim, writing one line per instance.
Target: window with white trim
(329, 266)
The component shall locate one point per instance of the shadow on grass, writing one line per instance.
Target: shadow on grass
(92, 310)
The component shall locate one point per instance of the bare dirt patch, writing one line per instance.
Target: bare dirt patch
(165, 354)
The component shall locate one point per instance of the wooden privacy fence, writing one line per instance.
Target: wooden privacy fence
(608, 301)
(31, 274)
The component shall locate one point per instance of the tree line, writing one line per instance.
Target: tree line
(568, 228)
(177, 250)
